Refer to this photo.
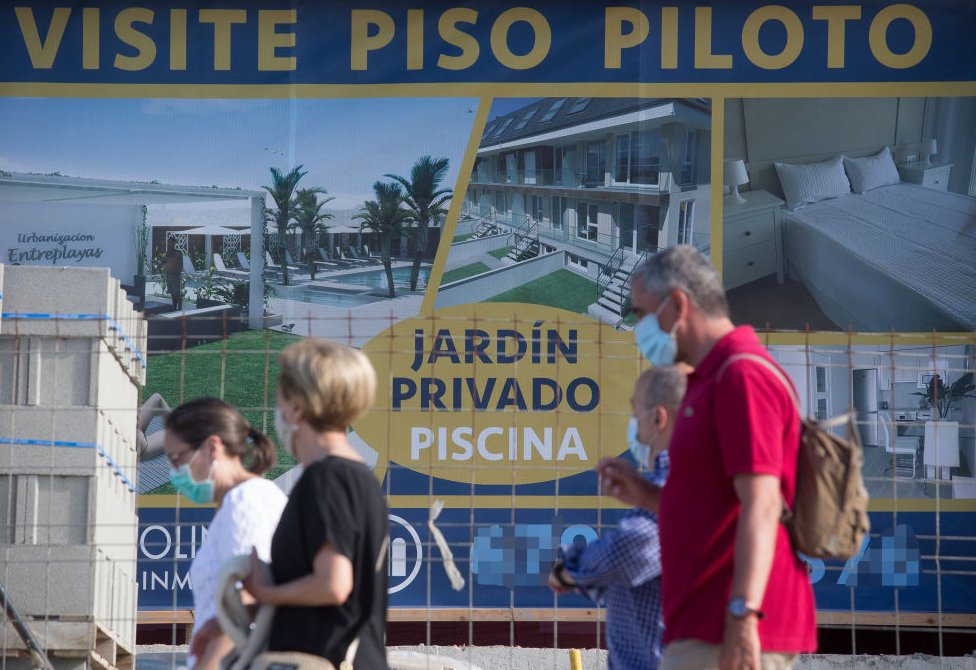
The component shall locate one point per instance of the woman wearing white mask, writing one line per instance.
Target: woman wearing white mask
(207, 443)
(328, 555)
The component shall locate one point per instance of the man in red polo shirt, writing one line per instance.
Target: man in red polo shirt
(734, 593)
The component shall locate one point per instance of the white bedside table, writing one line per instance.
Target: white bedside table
(752, 241)
(929, 176)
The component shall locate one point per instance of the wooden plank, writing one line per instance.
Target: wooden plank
(459, 614)
(164, 617)
(890, 619)
(399, 614)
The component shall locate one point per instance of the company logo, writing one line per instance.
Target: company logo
(406, 555)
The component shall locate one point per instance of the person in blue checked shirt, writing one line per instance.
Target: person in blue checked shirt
(623, 568)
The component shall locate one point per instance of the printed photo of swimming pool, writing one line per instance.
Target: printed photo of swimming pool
(377, 278)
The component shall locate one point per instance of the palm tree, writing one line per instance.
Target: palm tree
(310, 217)
(282, 192)
(426, 200)
(387, 217)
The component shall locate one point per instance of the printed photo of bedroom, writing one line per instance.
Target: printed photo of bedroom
(851, 213)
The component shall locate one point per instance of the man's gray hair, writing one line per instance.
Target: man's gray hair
(664, 386)
(685, 268)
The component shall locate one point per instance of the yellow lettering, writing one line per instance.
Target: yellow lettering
(447, 29)
(142, 43)
(90, 38)
(878, 36)
(794, 37)
(614, 38)
(415, 39)
(541, 42)
(704, 58)
(42, 53)
(222, 20)
(669, 38)
(836, 18)
(177, 39)
(270, 39)
(361, 41)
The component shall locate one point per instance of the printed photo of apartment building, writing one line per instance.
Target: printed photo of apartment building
(569, 194)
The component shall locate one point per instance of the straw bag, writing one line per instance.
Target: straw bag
(250, 644)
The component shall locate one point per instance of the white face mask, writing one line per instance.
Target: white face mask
(286, 432)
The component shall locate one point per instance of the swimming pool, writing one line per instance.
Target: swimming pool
(377, 278)
(332, 297)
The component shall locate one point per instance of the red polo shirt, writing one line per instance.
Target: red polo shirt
(744, 424)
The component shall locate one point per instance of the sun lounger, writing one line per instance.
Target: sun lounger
(357, 256)
(188, 267)
(224, 271)
(346, 255)
(277, 266)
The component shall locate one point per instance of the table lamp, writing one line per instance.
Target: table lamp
(735, 176)
(929, 147)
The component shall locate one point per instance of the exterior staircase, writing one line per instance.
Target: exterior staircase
(485, 227)
(614, 284)
(524, 241)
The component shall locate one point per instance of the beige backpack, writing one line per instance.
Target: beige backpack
(829, 518)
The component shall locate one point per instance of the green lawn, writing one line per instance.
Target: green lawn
(464, 271)
(500, 253)
(461, 238)
(242, 370)
(563, 288)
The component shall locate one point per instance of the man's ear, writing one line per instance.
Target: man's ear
(682, 302)
(661, 418)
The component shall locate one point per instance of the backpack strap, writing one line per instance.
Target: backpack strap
(769, 366)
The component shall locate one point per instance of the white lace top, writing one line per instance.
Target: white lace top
(247, 517)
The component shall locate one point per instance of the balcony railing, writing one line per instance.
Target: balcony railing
(537, 177)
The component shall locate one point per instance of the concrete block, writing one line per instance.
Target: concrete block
(72, 582)
(87, 302)
(66, 441)
(1, 296)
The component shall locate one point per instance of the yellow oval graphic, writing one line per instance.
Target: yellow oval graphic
(500, 393)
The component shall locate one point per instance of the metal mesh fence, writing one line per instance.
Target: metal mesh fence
(97, 545)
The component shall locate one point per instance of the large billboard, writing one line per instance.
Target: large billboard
(822, 155)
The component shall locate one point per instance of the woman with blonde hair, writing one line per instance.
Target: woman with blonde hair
(218, 457)
(328, 554)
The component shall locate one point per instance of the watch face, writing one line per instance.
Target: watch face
(737, 607)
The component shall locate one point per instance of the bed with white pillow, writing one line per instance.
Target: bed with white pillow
(876, 253)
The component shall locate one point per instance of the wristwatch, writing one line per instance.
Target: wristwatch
(740, 609)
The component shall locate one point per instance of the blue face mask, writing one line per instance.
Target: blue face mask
(640, 451)
(658, 347)
(201, 493)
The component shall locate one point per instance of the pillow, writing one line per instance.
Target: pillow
(871, 171)
(813, 182)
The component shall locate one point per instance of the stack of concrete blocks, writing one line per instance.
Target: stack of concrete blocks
(71, 365)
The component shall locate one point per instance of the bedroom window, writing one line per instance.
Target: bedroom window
(586, 221)
(686, 222)
(579, 105)
(637, 158)
(557, 212)
(686, 171)
(596, 161)
(553, 108)
(526, 118)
